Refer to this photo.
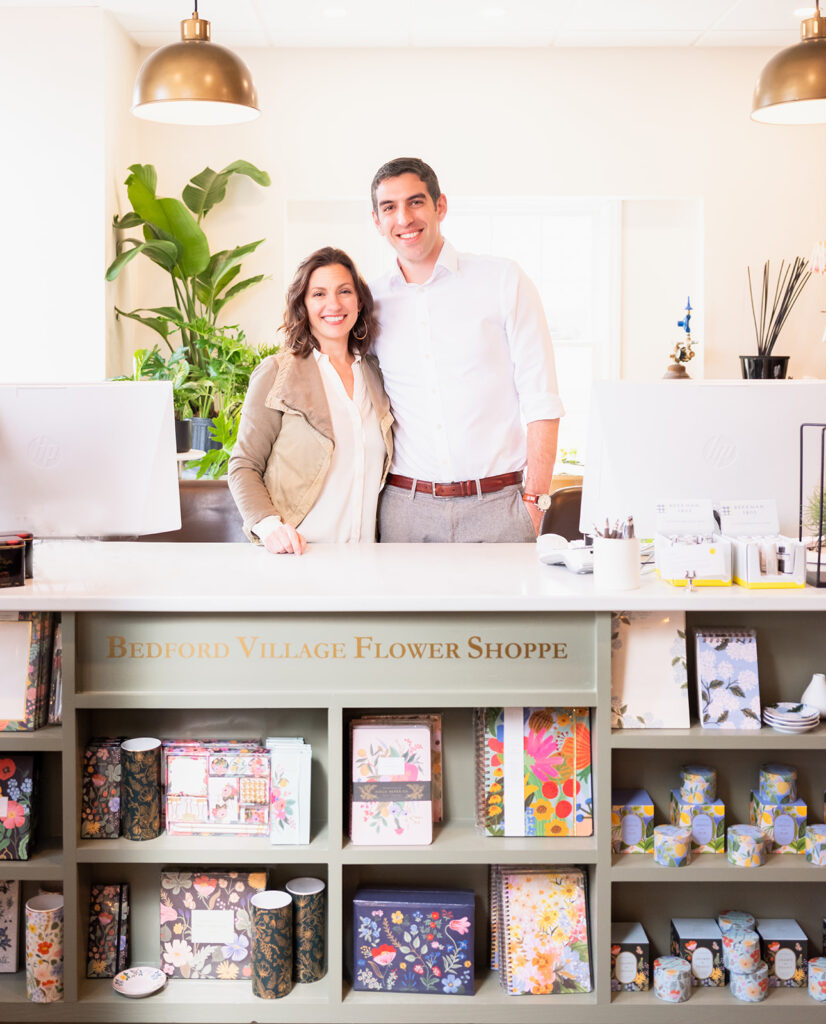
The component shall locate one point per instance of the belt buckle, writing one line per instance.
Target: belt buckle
(433, 488)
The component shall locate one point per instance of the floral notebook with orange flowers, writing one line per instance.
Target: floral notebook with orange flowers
(533, 772)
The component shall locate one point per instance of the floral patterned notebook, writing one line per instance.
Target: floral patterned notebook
(543, 924)
(533, 770)
(391, 788)
(728, 688)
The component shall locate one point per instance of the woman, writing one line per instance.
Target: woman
(315, 438)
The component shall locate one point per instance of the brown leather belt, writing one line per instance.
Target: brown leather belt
(459, 488)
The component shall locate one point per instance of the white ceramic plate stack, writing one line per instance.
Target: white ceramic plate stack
(789, 717)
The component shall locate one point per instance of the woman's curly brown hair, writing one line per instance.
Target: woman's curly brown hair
(296, 325)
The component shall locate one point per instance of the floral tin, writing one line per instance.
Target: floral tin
(413, 940)
(699, 941)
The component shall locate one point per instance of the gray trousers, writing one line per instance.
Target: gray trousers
(407, 517)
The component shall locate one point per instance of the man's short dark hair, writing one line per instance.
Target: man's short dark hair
(406, 165)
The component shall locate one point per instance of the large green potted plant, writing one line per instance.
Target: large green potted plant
(209, 364)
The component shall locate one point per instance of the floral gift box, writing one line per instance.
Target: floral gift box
(108, 947)
(783, 825)
(707, 822)
(630, 955)
(410, 940)
(206, 928)
(699, 941)
(632, 821)
(16, 808)
(785, 949)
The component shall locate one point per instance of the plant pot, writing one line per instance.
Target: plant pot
(201, 439)
(764, 367)
(183, 435)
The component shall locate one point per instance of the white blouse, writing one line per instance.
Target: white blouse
(345, 510)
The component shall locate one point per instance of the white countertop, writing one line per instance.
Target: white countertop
(100, 576)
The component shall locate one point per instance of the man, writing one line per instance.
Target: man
(464, 348)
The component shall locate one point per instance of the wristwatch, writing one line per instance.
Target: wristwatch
(542, 501)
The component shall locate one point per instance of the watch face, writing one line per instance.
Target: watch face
(543, 502)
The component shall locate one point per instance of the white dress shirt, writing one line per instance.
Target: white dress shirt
(345, 510)
(465, 358)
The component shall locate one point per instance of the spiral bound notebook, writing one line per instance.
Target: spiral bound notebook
(533, 771)
(542, 944)
(728, 687)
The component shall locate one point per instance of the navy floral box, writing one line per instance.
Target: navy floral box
(413, 940)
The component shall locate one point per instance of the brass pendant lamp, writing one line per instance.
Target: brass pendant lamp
(791, 88)
(195, 82)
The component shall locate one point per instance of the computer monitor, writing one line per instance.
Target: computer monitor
(722, 440)
(88, 460)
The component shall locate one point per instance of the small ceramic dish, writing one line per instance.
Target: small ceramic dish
(139, 982)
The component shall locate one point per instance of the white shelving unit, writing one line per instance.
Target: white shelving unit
(181, 594)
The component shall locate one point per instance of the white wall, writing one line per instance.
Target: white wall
(52, 183)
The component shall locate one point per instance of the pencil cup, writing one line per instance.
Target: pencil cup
(616, 563)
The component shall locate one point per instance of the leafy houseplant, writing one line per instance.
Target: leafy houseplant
(769, 323)
(209, 364)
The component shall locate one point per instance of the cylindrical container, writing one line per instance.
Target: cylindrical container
(28, 541)
(12, 562)
(272, 944)
(616, 563)
(44, 948)
(745, 846)
(698, 785)
(735, 919)
(778, 783)
(140, 766)
(817, 978)
(816, 844)
(309, 928)
(751, 987)
(672, 979)
(672, 846)
(741, 950)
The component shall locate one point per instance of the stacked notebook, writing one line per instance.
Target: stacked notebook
(533, 771)
(539, 929)
(30, 677)
(728, 688)
(396, 779)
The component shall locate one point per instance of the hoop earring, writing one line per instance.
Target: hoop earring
(363, 335)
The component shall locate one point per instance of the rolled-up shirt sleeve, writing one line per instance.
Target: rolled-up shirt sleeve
(257, 432)
(531, 348)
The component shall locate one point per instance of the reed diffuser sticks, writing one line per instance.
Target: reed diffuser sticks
(790, 283)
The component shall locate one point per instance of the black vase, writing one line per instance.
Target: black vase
(764, 367)
(201, 438)
(183, 435)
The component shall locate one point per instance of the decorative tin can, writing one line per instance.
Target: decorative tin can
(735, 919)
(672, 979)
(817, 978)
(778, 783)
(741, 950)
(751, 987)
(672, 846)
(746, 846)
(816, 844)
(698, 785)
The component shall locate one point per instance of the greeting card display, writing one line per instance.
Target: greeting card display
(533, 771)
(206, 927)
(290, 777)
(728, 688)
(26, 640)
(391, 792)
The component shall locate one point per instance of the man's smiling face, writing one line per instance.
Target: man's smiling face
(409, 219)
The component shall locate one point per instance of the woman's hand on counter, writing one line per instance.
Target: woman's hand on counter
(285, 540)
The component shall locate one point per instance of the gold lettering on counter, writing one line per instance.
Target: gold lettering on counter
(362, 648)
